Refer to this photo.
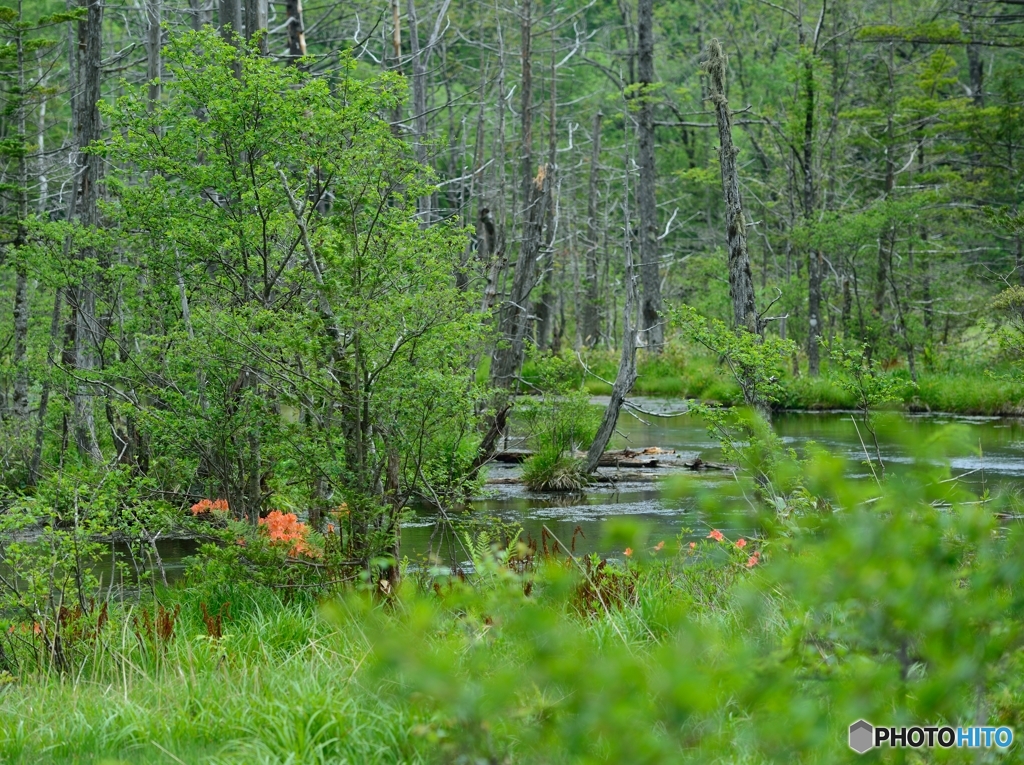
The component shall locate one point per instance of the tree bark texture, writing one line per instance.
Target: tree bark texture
(626, 376)
(814, 259)
(649, 271)
(256, 13)
(536, 193)
(419, 102)
(591, 329)
(297, 31)
(741, 280)
(229, 19)
(21, 297)
(153, 43)
(87, 330)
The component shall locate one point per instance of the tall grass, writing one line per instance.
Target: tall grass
(682, 372)
(280, 686)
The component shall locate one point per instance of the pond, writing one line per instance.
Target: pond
(997, 462)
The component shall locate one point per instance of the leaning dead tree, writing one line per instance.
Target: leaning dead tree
(632, 324)
(626, 376)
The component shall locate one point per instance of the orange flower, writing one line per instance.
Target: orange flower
(741, 543)
(629, 552)
(716, 535)
(659, 546)
(330, 528)
(286, 527)
(752, 561)
(693, 545)
(210, 506)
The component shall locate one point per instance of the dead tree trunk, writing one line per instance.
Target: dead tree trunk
(741, 281)
(153, 64)
(296, 30)
(419, 103)
(256, 13)
(229, 19)
(626, 376)
(21, 296)
(536, 191)
(632, 322)
(87, 330)
(202, 13)
(814, 261)
(591, 331)
(649, 271)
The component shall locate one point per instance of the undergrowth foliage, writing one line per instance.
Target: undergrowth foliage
(898, 601)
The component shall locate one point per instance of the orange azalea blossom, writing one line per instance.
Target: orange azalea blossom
(286, 527)
(659, 546)
(210, 506)
(716, 535)
(629, 552)
(741, 543)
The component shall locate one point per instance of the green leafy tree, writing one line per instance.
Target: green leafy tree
(287, 332)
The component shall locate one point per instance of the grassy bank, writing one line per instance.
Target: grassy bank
(684, 373)
(897, 602)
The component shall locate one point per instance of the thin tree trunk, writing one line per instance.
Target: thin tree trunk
(649, 272)
(975, 66)
(545, 305)
(256, 23)
(202, 13)
(229, 19)
(591, 331)
(21, 299)
(741, 281)
(153, 43)
(21, 382)
(814, 260)
(87, 330)
(44, 395)
(626, 376)
(631, 324)
(419, 103)
(515, 315)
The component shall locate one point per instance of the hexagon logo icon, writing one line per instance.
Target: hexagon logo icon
(862, 735)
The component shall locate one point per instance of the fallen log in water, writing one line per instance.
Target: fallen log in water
(651, 457)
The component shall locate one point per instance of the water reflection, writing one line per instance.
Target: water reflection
(992, 457)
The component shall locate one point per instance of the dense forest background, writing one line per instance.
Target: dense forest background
(280, 282)
(256, 263)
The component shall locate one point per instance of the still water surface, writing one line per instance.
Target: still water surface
(991, 456)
